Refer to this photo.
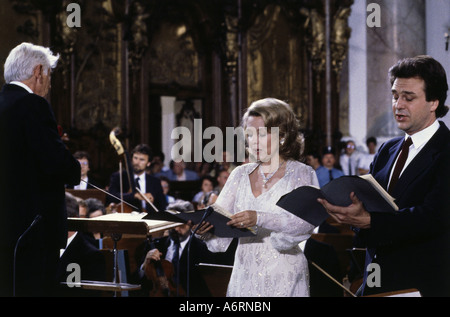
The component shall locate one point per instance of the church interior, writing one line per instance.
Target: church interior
(130, 67)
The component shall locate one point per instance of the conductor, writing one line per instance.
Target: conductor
(34, 167)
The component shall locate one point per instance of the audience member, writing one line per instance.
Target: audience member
(165, 184)
(366, 158)
(207, 195)
(313, 160)
(327, 172)
(222, 177)
(86, 181)
(227, 164)
(157, 165)
(179, 172)
(349, 159)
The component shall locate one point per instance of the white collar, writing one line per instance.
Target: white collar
(141, 177)
(423, 136)
(18, 83)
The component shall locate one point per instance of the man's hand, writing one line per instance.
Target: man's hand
(152, 255)
(148, 195)
(354, 215)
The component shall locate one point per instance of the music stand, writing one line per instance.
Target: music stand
(115, 225)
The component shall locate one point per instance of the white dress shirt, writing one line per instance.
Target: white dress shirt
(141, 180)
(18, 83)
(419, 140)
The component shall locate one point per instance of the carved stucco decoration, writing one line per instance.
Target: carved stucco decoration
(97, 69)
(275, 61)
(173, 58)
(316, 39)
(138, 34)
(340, 35)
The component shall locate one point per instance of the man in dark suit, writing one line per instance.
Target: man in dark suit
(34, 167)
(412, 246)
(150, 186)
(80, 250)
(165, 248)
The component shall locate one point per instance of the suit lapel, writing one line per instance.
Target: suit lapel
(421, 162)
(383, 175)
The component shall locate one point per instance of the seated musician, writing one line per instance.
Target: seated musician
(80, 249)
(86, 182)
(150, 186)
(164, 249)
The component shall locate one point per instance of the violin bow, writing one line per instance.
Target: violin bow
(147, 200)
(104, 191)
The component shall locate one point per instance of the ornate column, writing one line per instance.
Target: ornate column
(232, 52)
(402, 34)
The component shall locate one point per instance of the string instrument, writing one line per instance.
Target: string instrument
(161, 274)
(124, 157)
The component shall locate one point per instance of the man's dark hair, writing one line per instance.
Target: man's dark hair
(81, 155)
(143, 149)
(371, 139)
(432, 73)
(72, 206)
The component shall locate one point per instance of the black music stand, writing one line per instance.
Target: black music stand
(115, 225)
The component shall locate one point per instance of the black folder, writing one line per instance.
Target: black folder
(218, 220)
(303, 203)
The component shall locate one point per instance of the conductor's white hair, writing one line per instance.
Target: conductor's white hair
(24, 58)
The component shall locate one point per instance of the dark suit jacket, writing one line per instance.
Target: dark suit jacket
(34, 167)
(413, 245)
(91, 261)
(152, 184)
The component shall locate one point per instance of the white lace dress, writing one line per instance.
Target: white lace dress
(271, 263)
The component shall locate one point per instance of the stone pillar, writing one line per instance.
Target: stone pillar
(402, 34)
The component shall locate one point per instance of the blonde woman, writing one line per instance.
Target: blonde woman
(271, 263)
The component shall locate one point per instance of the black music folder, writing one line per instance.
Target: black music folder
(303, 203)
(214, 215)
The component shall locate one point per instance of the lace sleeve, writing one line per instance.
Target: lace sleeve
(226, 200)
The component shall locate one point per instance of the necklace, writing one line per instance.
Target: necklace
(268, 177)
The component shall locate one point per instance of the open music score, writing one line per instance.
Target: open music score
(121, 223)
(115, 225)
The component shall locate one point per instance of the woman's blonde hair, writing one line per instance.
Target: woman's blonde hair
(277, 113)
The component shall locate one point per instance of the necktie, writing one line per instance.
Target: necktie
(176, 258)
(350, 166)
(331, 175)
(137, 182)
(400, 164)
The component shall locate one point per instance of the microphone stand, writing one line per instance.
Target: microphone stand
(208, 211)
(35, 221)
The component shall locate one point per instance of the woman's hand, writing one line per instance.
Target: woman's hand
(243, 219)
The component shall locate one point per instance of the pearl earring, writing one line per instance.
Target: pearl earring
(282, 141)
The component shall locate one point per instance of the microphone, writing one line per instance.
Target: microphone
(35, 221)
(447, 37)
